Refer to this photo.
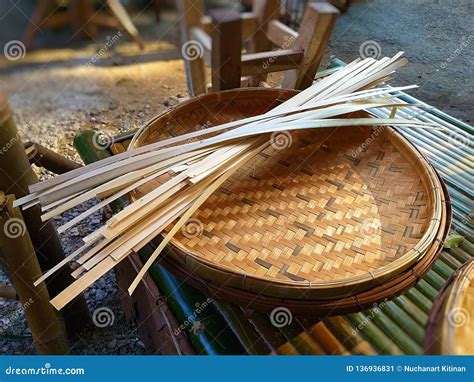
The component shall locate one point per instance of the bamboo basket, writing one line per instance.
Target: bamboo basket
(325, 215)
(321, 308)
(450, 328)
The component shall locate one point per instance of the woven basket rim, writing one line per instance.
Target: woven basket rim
(281, 288)
(440, 331)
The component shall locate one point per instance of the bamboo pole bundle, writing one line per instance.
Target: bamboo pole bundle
(190, 167)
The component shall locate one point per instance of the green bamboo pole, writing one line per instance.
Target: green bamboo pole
(217, 338)
(271, 335)
(410, 308)
(409, 325)
(397, 334)
(242, 328)
(460, 255)
(419, 299)
(427, 289)
(435, 280)
(450, 260)
(352, 340)
(442, 269)
(383, 343)
(46, 325)
(16, 175)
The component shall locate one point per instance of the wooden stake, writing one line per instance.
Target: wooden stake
(265, 11)
(226, 46)
(313, 37)
(192, 12)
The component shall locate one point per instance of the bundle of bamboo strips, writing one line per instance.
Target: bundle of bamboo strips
(192, 166)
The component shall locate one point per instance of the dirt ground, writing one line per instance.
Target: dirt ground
(55, 92)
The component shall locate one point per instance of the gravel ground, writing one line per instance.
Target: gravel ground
(56, 93)
(111, 334)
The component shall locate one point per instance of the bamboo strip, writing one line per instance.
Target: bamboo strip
(238, 163)
(79, 173)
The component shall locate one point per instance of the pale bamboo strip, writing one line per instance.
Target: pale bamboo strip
(206, 131)
(232, 168)
(58, 266)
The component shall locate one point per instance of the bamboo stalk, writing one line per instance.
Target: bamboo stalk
(47, 328)
(15, 178)
(48, 159)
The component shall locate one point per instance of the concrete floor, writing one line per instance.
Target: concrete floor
(437, 37)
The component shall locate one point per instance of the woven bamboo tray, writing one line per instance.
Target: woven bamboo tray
(450, 328)
(321, 308)
(330, 214)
